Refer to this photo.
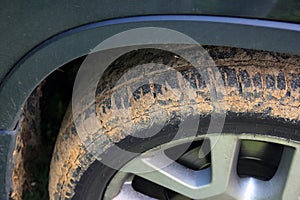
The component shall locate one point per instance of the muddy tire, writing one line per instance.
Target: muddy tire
(260, 86)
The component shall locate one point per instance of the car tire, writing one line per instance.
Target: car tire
(261, 96)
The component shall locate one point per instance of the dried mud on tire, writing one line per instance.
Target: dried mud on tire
(261, 83)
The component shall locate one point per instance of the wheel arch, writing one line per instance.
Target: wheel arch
(77, 42)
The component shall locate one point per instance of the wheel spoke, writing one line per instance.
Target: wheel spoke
(224, 155)
(165, 172)
(291, 188)
(194, 184)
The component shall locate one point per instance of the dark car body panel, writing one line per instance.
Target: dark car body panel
(25, 24)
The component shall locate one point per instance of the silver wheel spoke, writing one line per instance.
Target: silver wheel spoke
(292, 185)
(224, 155)
(190, 183)
(173, 176)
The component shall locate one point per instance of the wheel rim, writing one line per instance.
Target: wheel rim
(221, 178)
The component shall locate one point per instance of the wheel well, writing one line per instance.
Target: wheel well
(38, 128)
